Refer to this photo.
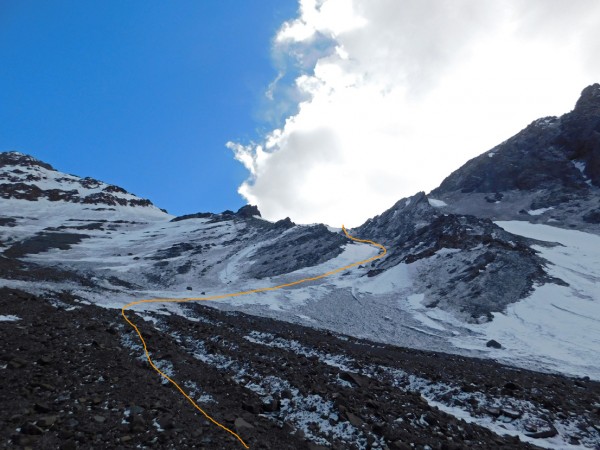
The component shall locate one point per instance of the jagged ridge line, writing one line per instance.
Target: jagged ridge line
(237, 294)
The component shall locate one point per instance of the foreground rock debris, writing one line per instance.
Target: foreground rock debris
(73, 377)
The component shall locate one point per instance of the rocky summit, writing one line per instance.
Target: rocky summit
(547, 173)
(478, 329)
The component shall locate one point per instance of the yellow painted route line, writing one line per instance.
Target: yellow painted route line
(236, 294)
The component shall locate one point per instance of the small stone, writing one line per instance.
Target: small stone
(511, 413)
(17, 363)
(241, 424)
(134, 410)
(313, 446)
(138, 423)
(355, 379)
(544, 434)
(166, 423)
(44, 360)
(41, 408)
(495, 412)
(72, 423)
(69, 445)
(512, 386)
(272, 406)
(27, 441)
(399, 445)
(46, 386)
(46, 421)
(65, 434)
(99, 419)
(530, 428)
(253, 408)
(493, 344)
(379, 427)
(31, 429)
(286, 393)
(430, 419)
(354, 420)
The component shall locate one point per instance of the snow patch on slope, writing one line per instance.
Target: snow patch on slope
(557, 327)
(9, 318)
(436, 203)
(539, 212)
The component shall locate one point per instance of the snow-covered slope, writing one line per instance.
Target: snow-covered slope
(23, 177)
(557, 326)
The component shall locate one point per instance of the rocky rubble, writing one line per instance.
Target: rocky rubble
(74, 377)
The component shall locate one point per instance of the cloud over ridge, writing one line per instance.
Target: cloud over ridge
(393, 95)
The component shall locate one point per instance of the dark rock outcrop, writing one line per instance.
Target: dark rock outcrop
(539, 157)
(200, 215)
(43, 242)
(248, 211)
(302, 247)
(551, 168)
(471, 266)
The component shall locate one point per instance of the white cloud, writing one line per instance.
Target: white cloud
(394, 95)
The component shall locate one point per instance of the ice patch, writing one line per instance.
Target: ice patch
(580, 165)
(9, 318)
(391, 280)
(539, 212)
(420, 312)
(436, 203)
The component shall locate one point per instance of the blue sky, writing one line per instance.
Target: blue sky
(375, 100)
(142, 94)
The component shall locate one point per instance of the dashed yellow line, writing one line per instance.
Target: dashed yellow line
(236, 294)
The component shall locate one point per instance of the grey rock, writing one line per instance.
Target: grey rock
(240, 424)
(551, 431)
(493, 344)
(31, 429)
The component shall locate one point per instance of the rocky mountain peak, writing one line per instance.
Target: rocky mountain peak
(548, 171)
(20, 159)
(23, 177)
(589, 101)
